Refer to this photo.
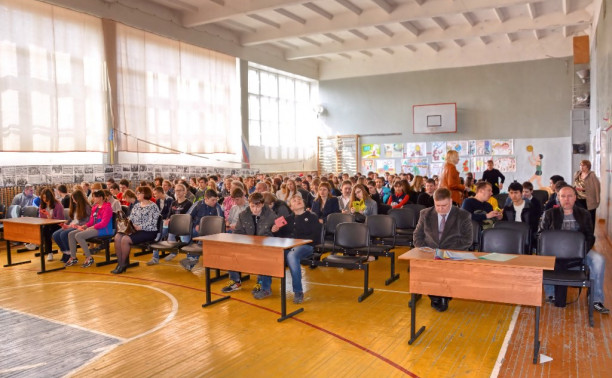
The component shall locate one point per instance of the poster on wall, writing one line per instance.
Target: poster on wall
(461, 146)
(416, 149)
(438, 151)
(505, 163)
(416, 166)
(385, 165)
(368, 165)
(502, 147)
(479, 163)
(393, 150)
(435, 169)
(464, 165)
(370, 151)
(480, 147)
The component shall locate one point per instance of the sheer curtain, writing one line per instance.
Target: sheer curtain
(52, 79)
(174, 96)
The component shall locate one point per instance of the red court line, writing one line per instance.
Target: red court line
(331, 333)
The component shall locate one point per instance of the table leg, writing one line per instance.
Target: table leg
(9, 260)
(413, 335)
(43, 253)
(284, 303)
(208, 296)
(536, 336)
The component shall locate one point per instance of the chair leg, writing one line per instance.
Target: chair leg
(590, 298)
(366, 277)
(393, 276)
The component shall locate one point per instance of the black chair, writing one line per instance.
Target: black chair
(350, 238)
(382, 229)
(502, 240)
(476, 233)
(417, 209)
(540, 195)
(209, 225)
(29, 211)
(569, 248)
(104, 243)
(405, 222)
(179, 225)
(2, 214)
(14, 211)
(501, 199)
(520, 227)
(328, 232)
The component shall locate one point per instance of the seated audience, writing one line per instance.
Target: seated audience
(79, 213)
(481, 210)
(180, 205)
(325, 203)
(426, 198)
(50, 208)
(361, 203)
(25, 198)
(240, 204)
(400, 196)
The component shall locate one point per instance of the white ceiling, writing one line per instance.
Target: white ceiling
(366, 37)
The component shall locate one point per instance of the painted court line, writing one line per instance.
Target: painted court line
(504, 348)
(22, 368)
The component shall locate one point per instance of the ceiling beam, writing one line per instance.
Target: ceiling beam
(384, 30)
(486, 28)
(434, 46)
(469, 18)
(311, 41)
(440, 22)
(264, 20)
(350, 6)
(565, 6)
(358, 34)
(214, 13)
(388, 50)
(385, 5)
(318, 10)
(334, 37)
(411, 28)
(459, 42)
(405, 12)
(532, 11)
(290, 15)
(500, 14)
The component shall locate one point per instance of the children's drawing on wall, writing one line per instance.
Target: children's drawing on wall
(438, 151)
(536, 162)
(394, 150)
(461, 146)
(501, 147)
(435, 169)
(416, 166)
(387, 165)
(370, 151)
(368, 165)
(479, 163)
(483, 147)
(464, 165)
(505, 163)
(416, 149)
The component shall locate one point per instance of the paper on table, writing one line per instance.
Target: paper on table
(449, 255)
(497, 257)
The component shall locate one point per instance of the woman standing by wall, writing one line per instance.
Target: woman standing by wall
(588, 187)
(450, 177)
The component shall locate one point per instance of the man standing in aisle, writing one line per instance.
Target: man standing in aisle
(443, 226)
(493, 176)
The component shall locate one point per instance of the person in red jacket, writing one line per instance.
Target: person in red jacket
(400, 194)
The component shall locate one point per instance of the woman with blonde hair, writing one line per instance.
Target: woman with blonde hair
(449, 178)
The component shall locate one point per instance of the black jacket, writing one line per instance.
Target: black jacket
(529, 215)
(304, 226)
(553, 220)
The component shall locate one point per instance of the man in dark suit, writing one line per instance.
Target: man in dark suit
(443, 226)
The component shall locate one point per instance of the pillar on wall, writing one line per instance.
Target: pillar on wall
(581, 98)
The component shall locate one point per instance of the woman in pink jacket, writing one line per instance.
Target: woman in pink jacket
(100, 224)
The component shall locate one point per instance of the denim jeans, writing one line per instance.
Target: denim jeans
(597, 265)
(292, 257)
(61, 238)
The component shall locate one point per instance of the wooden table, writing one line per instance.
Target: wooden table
(250, 254)
(516, 281)
(28, 230)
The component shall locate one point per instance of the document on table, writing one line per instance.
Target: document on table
(450, 255)
(497, 257)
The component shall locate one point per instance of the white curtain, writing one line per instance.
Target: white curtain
(174, 96)
(52, 79)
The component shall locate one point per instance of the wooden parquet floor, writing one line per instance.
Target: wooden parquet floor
(149, 322)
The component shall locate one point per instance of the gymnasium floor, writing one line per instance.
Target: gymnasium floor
(149, 322)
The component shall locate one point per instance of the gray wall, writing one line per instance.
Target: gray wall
(514, 100)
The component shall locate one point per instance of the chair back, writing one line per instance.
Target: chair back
(476, 232)
(405, 218)
(502, 240)
(540, 195)
(351, 235)
(336, 218)
(522, 228)
(563, 244)
(180, 224)
(501, 199)
(67, 213)
(417, 209)
(211, 224)
(14, 211)
(381, 226)
(2, 210)
(30, 211)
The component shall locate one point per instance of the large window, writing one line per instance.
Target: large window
(174, 96)
(52, 79)
(280, 109)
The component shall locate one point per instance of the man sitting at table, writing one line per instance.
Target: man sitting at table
(25, 198)
(257, 219)
(443, 226)
(482, 211)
